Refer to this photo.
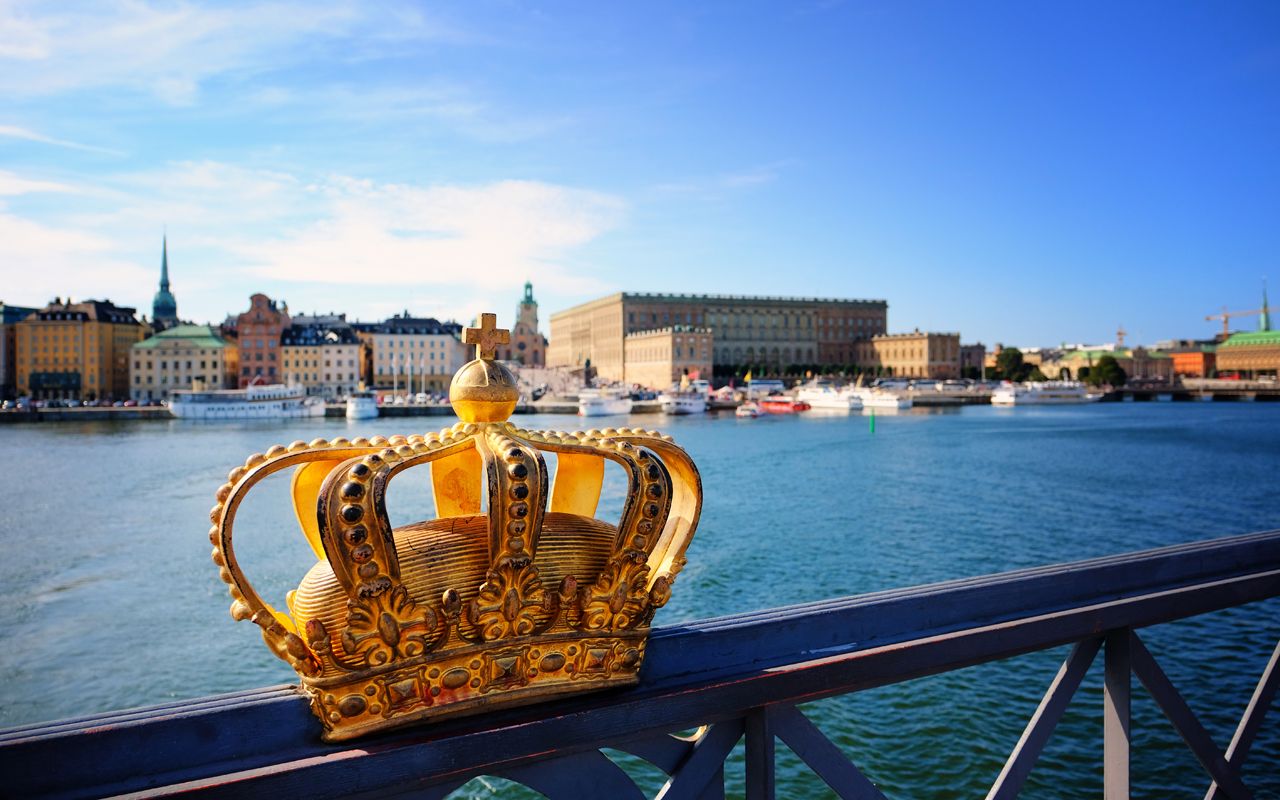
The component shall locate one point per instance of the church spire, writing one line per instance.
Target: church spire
(164, 263)
(164, 308)
(1264, 319)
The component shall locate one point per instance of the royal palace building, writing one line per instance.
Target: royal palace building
(769, 333)
(181, 357)
(660, 358)
(77, 351)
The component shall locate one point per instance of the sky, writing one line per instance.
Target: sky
(1023, 173)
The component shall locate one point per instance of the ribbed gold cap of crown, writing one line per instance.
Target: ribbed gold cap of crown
(483, 391)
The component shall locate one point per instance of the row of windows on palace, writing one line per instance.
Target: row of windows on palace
(728, 322)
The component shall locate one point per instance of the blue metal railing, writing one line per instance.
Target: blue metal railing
(729, 677)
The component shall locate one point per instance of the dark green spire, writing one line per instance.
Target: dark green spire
(164, 308)
(1264, 319)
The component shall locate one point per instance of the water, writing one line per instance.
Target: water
(111, 600)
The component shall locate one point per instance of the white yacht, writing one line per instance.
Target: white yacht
(603, 402)
(824, 394)
(676, 401)
(883, 397)
(1043, 393)
(686, 397)
(269, 401)
(362, 405)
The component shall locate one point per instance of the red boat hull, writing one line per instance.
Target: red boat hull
(783, 406)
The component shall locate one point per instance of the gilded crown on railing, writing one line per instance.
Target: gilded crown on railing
(532, 598)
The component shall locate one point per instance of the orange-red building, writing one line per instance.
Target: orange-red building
(1194, 362)
(258, 331)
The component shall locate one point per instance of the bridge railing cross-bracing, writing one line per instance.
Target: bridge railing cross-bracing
(729, 678)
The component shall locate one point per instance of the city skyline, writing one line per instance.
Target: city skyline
(1023, 175)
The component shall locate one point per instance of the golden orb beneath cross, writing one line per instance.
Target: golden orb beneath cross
(484, 390)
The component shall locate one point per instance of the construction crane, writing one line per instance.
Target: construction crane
(1226, 316)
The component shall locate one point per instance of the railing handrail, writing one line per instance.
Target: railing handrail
(264, 742)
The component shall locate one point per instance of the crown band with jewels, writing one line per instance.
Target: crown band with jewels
(528, 599)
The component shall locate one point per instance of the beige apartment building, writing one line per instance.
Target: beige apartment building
(183, 357)
(418, 349)
(769, 332)
(322, 354)
(912, 355)
(659, 358)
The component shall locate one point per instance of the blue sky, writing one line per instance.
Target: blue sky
(1025, 173)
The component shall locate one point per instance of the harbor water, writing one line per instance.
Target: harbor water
(111, 600)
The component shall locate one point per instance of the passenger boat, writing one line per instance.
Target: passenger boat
(824, 394)
(362, 405)
(778, 404)
(688, 397)
(748, 410)
(1043, 393)
(678, 402)
(263, 401)
(603, 402)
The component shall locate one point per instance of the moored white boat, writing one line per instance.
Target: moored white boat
(270, 401)
(1043, 393)
(873, 397)
(362, 405)
(678, 402)
(823, 394)
(603, 402)
(748, 410)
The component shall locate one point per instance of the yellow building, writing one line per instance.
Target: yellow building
(659, 358)
(762, 333)
(324, 357)
(182, 357)
(77, 351)
(912, 355)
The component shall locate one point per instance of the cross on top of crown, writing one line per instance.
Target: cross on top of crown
(487, 337)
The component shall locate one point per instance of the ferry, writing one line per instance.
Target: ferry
(603, 402)
(263, 401)
(1043, 393)
(362, 405)
(824, 394)
(687, 397)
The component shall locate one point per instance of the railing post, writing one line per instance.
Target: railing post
(1115, 716)
(760, 756)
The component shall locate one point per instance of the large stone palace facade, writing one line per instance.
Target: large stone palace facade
(771, 332)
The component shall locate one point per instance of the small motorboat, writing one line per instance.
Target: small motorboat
(747, 411)
(778, 404)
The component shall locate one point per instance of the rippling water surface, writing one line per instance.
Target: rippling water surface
(111, 601)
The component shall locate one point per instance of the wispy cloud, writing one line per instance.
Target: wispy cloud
(726, 181)
(440, 248)
(12, 185)
(15, 132)
(170, 49)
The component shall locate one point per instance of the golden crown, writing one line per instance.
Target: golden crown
(531, 599)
